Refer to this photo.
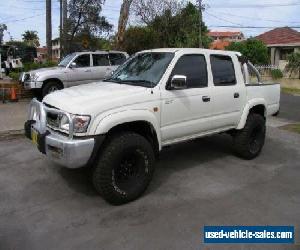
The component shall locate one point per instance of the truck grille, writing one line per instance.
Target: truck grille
(53, 120)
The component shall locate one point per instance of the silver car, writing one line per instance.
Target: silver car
(75, 69)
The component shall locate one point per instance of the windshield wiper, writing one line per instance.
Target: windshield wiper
(140, 83)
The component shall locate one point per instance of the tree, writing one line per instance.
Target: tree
(138, 38)
(85, 17)
(31, 38)
(168, 30)
(147, 10)
(123, 19)
(293, 63)
(256, 51)
(3, 28)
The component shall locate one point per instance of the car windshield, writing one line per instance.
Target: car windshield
(144, 69)
(64, 62)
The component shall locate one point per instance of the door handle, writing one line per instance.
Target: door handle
(205, 98)
(88, 70)
(236, 95)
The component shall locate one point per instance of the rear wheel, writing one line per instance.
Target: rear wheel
(124, 169)
(249, 141)
(50, 87)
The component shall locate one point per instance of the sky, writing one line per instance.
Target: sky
(21, 15)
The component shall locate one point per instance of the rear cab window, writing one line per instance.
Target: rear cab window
(194, 67)
(223, 71)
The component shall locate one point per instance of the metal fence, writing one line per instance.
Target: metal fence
(265, 70)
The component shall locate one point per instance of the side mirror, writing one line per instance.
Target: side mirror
(178, 82)
(73, 65)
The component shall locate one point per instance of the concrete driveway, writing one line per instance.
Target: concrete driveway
(44, 206)
(290, 107)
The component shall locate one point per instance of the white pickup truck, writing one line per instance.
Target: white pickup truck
(157, 98)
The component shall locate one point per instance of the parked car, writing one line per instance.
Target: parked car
(75, 69)
(157, 98)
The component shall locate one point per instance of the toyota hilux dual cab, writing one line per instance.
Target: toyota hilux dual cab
(157, 98)
(75, 69)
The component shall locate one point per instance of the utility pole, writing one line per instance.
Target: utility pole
(63, 42)
(49, 29)
(200, 23)
(60, 27)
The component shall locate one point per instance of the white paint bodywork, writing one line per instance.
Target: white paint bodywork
(182, 115)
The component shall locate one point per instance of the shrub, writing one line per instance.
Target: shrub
(14, 75)
(276, 74)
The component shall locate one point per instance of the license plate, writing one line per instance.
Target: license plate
(34, 137)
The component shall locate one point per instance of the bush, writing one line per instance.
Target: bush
(14, 75)
(276, 74)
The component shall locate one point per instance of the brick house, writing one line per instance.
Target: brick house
(281, 43)
(222, 39)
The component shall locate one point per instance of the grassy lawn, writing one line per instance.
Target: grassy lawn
(291, 91)
(292, 127)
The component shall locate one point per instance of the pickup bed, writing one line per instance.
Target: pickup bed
(160, 97)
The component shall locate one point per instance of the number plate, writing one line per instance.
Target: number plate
(34, 137)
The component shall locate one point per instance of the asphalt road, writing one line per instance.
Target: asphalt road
(290, 107)
(44, 206)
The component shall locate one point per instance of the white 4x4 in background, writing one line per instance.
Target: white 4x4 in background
(75, 69)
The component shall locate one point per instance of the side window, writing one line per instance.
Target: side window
(100, 60)
(194, 67)
(117, 58)
(83, 61)
(222, 70)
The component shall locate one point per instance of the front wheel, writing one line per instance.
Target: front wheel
(50, 87)
(124, 169)
(249, 141)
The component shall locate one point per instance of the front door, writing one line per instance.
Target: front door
(81, 73)
(187, 112)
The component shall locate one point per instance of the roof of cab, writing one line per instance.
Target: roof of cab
(193, 50)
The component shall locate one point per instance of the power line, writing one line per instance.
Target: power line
(250, 27)
(25, 18)
(256, 18)
(251, 6)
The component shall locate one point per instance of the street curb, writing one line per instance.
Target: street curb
(11, 134)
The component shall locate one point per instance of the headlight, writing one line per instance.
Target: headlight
(34, 77)
(81, 123)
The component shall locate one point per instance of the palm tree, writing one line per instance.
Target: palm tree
(49, 29)
(31, 38)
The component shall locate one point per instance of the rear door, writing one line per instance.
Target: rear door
(101, 66)
(228, 94)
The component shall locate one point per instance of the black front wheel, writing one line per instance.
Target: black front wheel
(249, 141)
(124, 169)
(50, 87)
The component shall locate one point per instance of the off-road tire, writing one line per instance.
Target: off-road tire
(248, 142)
(49, 86)
(110, 166)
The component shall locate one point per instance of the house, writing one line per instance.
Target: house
(281, 43)
(222, 39)
(56, 49)
(41, 54)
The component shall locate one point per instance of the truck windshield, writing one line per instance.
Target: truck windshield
(144, 69)
(64, 62)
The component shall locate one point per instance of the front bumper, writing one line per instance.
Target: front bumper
(68, 151)
(33, 84)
